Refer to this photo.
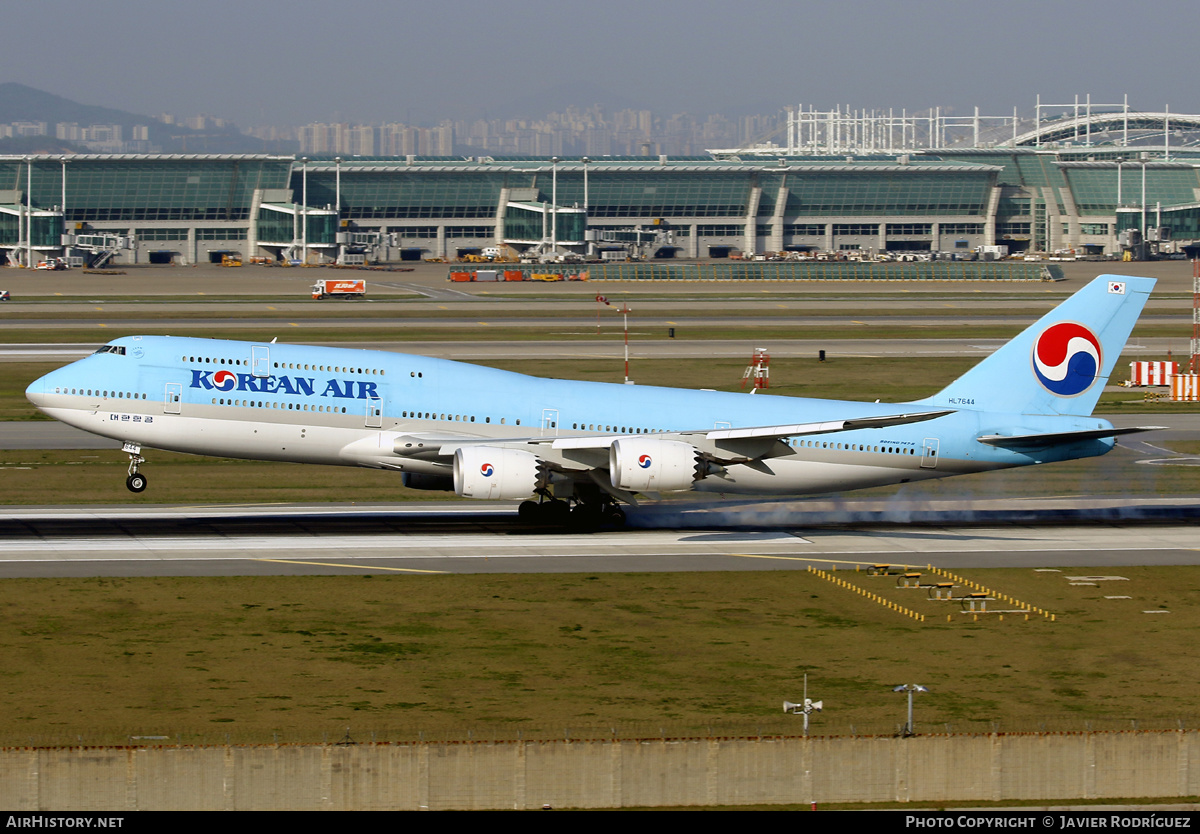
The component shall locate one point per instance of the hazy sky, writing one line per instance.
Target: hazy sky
(275, 62)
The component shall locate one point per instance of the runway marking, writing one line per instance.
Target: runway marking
(351, 567)
(822, 561)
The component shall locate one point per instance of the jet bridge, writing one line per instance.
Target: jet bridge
(99, 248)
(355, 248)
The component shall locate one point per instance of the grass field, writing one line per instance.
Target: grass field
(266, 310)
(390, 657)
(755, 332)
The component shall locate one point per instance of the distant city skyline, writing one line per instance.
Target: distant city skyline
(267, 62)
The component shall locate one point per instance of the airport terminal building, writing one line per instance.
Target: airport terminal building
(190, 208)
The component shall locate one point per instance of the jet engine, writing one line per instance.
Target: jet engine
(645, 464)
(490, 472)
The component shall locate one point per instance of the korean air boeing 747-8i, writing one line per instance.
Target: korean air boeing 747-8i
(578, 450)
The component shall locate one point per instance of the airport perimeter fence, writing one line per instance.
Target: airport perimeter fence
(609, 773)
(717, 271)
(820, 725)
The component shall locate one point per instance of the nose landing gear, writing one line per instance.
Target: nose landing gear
(136, 482)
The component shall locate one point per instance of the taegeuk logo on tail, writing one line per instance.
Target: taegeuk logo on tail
(1067, 358)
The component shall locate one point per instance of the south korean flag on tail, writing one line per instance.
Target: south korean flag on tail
(1116, 287)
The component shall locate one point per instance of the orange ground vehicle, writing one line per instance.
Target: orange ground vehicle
(339, 289)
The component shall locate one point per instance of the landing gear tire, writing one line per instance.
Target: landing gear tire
(136, 482)
(544, 514)
(586, 517)
(614, 517)
(555, 512)
(529, 512)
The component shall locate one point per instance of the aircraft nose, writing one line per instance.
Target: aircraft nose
(36, 392)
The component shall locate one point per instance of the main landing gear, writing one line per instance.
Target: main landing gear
(136, 482)
(575, 514)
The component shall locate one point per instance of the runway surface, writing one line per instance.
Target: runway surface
(453, 538)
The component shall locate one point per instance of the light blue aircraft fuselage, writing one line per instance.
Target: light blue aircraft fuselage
(488, 433)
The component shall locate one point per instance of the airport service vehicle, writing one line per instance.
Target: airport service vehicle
(583, 449)
(339, 289)
(52, 264)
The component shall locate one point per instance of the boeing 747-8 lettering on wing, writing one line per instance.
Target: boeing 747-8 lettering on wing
(581, 449)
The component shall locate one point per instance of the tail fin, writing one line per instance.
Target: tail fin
(1059, 364)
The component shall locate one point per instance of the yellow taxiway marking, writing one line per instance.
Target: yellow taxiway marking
(352, 567)
(821, 561)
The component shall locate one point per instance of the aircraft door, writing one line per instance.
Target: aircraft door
(374, 413)
(260, 360)
(929, 453)
(173, 398)
(550, 421)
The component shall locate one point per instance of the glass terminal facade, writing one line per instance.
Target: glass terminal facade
(944, 200)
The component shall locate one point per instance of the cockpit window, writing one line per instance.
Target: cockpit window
(117, 349)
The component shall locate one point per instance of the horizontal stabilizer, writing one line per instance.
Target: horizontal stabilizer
(1020, 441)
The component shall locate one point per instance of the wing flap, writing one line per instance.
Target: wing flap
(826, 427)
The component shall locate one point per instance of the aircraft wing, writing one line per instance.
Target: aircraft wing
(432, 445)
(587, 452)
(1024, 441)
(828, 427)
(756, 432)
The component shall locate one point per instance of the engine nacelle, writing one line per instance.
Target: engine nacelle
(490, 472)
(644, 464)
